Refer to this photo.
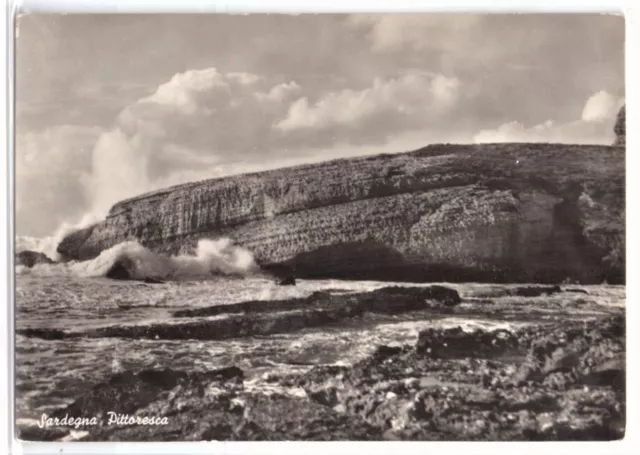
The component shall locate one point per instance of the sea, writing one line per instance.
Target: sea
(72, 296)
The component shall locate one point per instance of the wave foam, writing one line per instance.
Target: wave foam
(48, 245)
(213, 257)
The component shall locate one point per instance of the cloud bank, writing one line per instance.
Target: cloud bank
(594, 127)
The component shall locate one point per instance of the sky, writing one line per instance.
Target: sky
(111, 106)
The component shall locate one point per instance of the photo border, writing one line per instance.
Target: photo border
(627, 445)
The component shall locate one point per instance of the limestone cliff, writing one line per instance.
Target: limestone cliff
(492, 212)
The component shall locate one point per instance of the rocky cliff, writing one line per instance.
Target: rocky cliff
(492, 212)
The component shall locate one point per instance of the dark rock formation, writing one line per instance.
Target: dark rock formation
(122, 269)
(270, 317)
(132, 391)
(287, 281)
(620, 127)
(578, 290)
(30, 258)
(208, 406)
(34, 433)
(151, 280)
(536, 291)
(45, 334)
(446, 389)
(592, 353)
(493, 212)
(389, 300)
(455, 342)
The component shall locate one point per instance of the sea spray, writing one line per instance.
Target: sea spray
(49, 244)
(212, 257)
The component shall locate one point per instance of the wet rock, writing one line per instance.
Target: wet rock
(536, 291)
(29, 258)
(287, 281)
(132, 391)
(46, 334)
(390, 300)
(455, 394)
(194, 413)
(383, 352)
(285, 316)
(455, 342)
(151, 280)
(579, 350)
(578, 290)
(441, 294)
(297, 419)
(35, 433)
(122, 269)
(234, 326)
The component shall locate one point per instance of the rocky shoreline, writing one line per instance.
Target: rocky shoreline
(560, 378)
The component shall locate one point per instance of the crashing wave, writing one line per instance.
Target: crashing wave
(49, 244)
(133, 261)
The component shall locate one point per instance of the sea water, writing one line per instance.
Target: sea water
(76, 296)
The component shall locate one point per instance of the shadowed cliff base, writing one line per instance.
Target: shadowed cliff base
(370, 260)
(488, 212)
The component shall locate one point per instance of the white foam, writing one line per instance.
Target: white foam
(49, 244)
(213, 257)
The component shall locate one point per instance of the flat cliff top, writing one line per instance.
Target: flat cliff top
(543, 159)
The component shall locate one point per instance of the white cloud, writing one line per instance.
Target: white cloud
(594, 127)
(390, 32)
(280, 92)
(414, 96)
(182, 92)
(601, 106)
(245, 78)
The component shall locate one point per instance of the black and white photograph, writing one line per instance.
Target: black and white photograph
(319, 227)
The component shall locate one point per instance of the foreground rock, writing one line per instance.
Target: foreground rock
(542, 383)
(29, 258)
(542, 213)
(201, 406)
(550, 382)
(125, 269)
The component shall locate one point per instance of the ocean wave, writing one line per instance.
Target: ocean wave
(49, 244)
(213, 257)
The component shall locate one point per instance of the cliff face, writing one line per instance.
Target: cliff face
(493, 212)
